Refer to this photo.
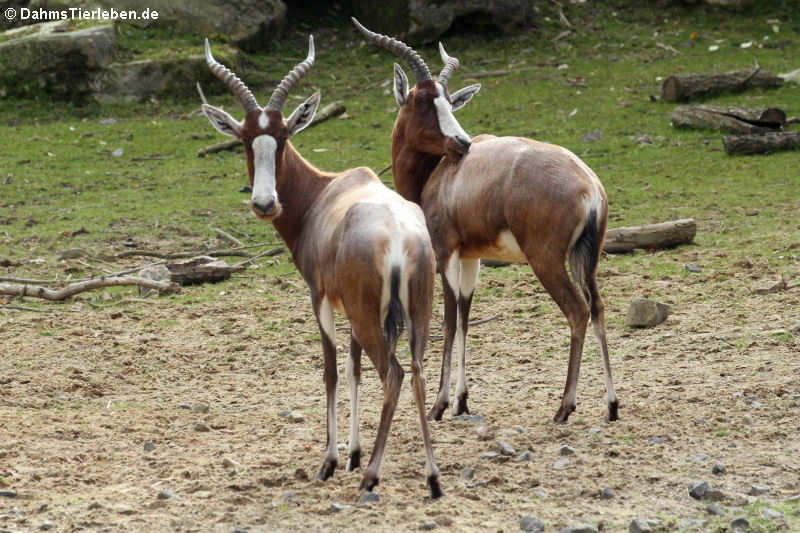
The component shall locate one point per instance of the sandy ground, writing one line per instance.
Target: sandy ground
(99, 413)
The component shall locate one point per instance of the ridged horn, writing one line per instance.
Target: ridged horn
(450, 64)
(398, 48)
(232, 81)
(280, 93)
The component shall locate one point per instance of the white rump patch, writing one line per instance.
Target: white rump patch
(447, 121)
(264, 147)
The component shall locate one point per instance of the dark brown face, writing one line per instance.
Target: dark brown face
(428, 122)
(264, 134)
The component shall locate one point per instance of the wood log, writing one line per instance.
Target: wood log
(650, 237)
(761, 144)
(83, 286)
(687, 87)
(728, 119)
(200, 269)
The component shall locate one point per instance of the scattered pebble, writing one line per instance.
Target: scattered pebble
(505, 448)
(700, 457)
(715, 509)
(758, 490)
(290, 497)
(740, 523)
(656, 440)
(718, 469)
(583, 528)
(540, 494)
(483, 433)
(644, 313)
(524, 456)
(369, 497)
(301, 475)
(566, 450)
(284, 413)
(428, 525)
(296, 417)
(693, 268)
(468, 473)
(149, 446)
(697, 490)
(337, 507)
(200, 408)
(201, 426)
(561, 463)
(531, 523)
(167, 494)
(640, 525)
(118, 152)
(594, 431)
(473, 419)
(731, 445)
(46, 526)
(606, 493)
(771, 514)
(184, 406)
(8, 494)
(489, 455)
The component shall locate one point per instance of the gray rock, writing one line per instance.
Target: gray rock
(566, 450)
(771, 514)
(644, 313)
(339, 507)
(715, 509)
(468, 473)
(284, 413)
(524, 456)
(656, 440)
(8, 494)
(297, 418)
(291, 497)
(583, 528)
(540, 494)
(606, 493)
(167, 494)
(48, 57)
(560, 464)
(149, 446)
(740, 523)
(531, 523)
(46, 526)
(758, 490)
(428, 525)
(489, 455)
(700, 457)
(693, 268)
(369, 497)
(201, 427)
(718, 469)
(640, 525)
(698, 489)
(505, 448)
(183, 405)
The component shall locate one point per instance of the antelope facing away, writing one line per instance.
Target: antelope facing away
(361, 248)
(506, 198)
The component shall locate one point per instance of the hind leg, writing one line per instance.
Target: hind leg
(469, 278)
(451, 280)
(354, 379)
(599, 326)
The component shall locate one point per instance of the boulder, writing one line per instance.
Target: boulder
(644, 313)
(53, 58)
(423, 21)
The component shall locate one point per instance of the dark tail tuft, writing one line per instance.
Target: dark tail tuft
(393, 325)
(585, 254)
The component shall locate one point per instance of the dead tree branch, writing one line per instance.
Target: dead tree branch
(83, 286)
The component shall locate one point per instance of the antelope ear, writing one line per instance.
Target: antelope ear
(462, 96)
(222, 121)
(302, 116)
(400, 86)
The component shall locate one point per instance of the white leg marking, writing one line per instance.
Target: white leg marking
(469, 278)
(354, 442)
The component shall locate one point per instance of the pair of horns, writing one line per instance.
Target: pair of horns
(415, 62)
(245, 96)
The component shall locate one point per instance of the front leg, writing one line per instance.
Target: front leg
(469, 278)
(324, 315)
(451, 274)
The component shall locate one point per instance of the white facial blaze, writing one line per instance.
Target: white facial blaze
(447, 121)
(264, 147)
(263, 120)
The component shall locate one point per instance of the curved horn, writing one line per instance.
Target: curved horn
(398, 48)
(280, 93)
(450, 64)
(232, 81)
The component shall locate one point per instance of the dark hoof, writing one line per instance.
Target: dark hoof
(461, 406)
(563, 413)
(354, 461)
(327, 470)
(436, 412)
(436, 488)
(369, 483)
(613, 408)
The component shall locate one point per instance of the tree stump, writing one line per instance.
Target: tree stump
(761, 144)
(650, 237)
(687, 87)
(729, 119)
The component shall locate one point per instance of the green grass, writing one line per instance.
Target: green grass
(59, 172)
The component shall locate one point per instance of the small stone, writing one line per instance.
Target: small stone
(201, 426)
(428, 525)
(149, 446)
(472, 419)
(184, 406)
(715, 509)
(656, 440)
(524, 456)
(505, 448)
(531, 523)
(301, 475)
(229, 463)
(540, 494)
(718, 469)
(693, 268)
(239, 530)
(200, 408)
(561, 463)
(566, 450)
(8, 494)
(468, 473)
(771, 514)
(369, 497)
(595, 431)
(166, 494)
(483, 433)
(606, 493)
(758, 490)
(731, 445)
(700, 457)
(46, 526)
(639, 525)
(118, 152)
(740, 523)
(698, 489)
(754, 405)
(297, 418)
(338, 507)
(644, 313)
(284, 413)
(290, 497)
(489, 455)
(583, 528)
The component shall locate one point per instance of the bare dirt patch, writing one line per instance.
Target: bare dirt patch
(102, 410)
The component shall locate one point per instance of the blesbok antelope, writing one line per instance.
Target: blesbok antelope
(506, 198)
(361, 248)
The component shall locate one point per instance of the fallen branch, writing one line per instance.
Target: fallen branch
(650, 237)
(83, 286)
(334, 109)
(269, 253)
(228, 237)
(686, 87)
(729, 119)
(183, 255)
(761, 144)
